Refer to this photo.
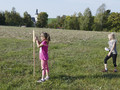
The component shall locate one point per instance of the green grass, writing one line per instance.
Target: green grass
(75, 60)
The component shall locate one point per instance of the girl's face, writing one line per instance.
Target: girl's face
(42, 37)
(109, 37)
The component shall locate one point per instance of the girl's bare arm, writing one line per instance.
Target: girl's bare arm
(38, 44)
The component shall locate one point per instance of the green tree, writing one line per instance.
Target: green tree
(114, 21)
(13, 18)
(7, 18)
(61, 21)
(105, 20)
(53, 24)
(67, 22)
(71, 22)
(87, 20)
(58, 22)
(42, 19)
(2, 18)
(27, 20)
(74, 22)
(80, 20)
(98, 25)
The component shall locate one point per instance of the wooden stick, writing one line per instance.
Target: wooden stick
(33, 53)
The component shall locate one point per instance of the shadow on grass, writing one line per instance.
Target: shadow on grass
(107, 76)
(70, 79)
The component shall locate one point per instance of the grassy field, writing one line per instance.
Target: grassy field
(76, 60)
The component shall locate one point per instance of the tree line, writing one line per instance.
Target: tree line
(13, 18)
(104, 20)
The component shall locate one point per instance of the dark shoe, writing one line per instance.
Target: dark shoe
(105, 70)
(115, 70)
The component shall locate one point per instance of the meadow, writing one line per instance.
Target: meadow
(75, 60)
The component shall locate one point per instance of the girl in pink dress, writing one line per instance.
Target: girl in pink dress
(43, 55)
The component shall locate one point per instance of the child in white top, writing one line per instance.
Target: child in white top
(112, 51)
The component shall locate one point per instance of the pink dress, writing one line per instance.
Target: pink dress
(43, 53)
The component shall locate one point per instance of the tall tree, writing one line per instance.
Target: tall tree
(114, 21)
(105, 20)
(74, 22)
(99, 18)
(67, 22)
(80, 20)
(87, 20)
(13, 18)
(42, 19)
(2, 18)
(27, 20)
(60, 21)
(7, 18)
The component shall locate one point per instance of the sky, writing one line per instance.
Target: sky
(56, 8)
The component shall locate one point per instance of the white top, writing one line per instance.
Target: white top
(111, 42)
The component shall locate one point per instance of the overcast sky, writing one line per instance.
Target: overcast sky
(56, 8)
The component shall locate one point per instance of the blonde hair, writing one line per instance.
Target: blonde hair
(111, 36)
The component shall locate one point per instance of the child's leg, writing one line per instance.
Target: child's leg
(105, 65)
(114, 60)
(47, 69)
(43, 68)
(105, 61)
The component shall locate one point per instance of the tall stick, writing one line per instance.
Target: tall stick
(33, 53)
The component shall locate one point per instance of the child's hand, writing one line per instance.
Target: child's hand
(36, 38)
(106, 49)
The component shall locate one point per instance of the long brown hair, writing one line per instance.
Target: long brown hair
(47, 36)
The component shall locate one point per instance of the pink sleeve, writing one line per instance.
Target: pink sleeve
(44, 43)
